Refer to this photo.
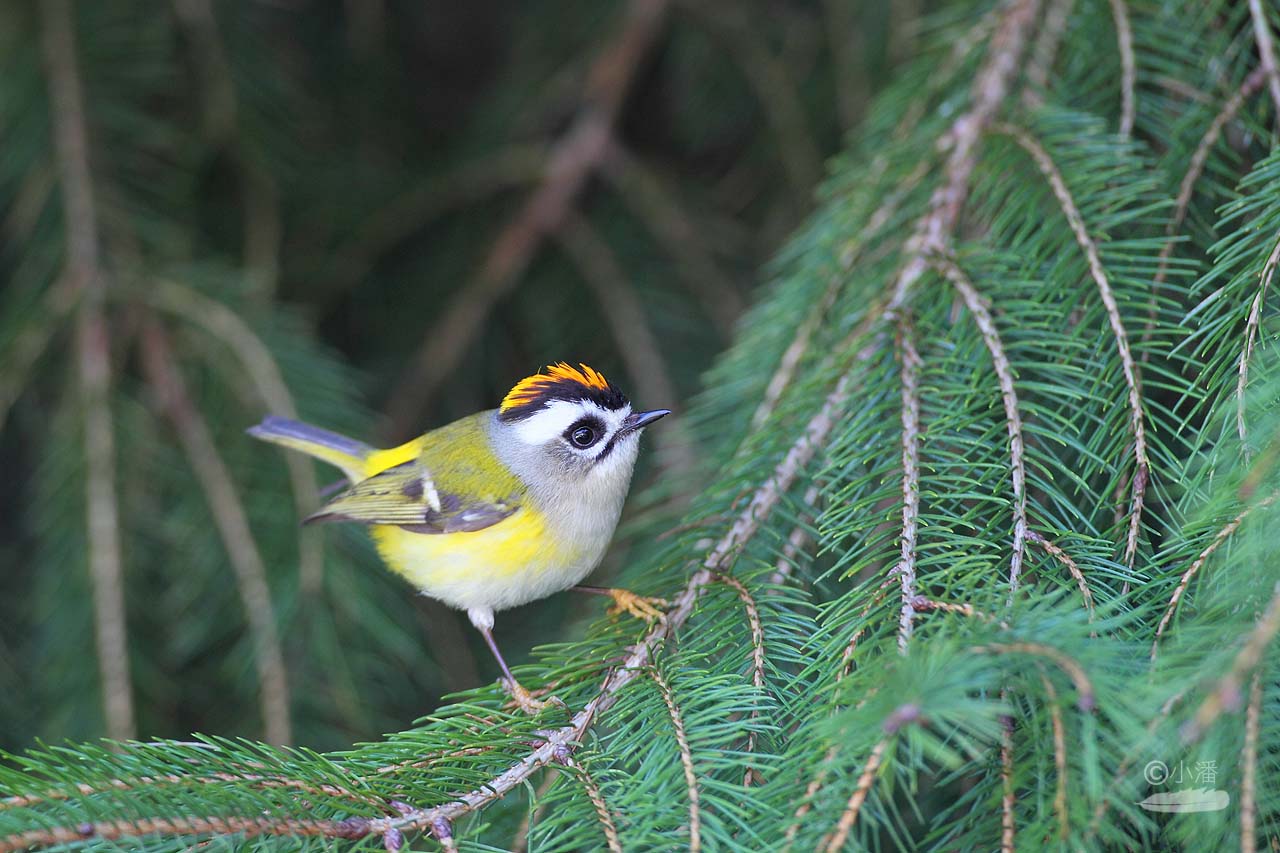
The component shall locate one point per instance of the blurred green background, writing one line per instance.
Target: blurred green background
(381, 214)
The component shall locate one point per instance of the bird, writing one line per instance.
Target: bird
(498, 508)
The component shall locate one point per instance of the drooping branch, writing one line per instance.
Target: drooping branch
(1249, 768)
(1266, 50)
(686, 760)
(1137, 420)
(1128, 66)
(1063, 557)
(1008, 800)
(93, 345)
(906, 568)
(1013, 418)
(233, 526)
(1250, 332)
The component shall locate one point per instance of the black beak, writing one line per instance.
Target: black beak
(640, 420)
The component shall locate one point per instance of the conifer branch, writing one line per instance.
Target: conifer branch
(226, 326)
(796, 540)
(246, 826)
(1266, 50)
(1086, 700)
(1250, 332)
(1044, 53)
(924, 604)
(1219, 538)
(850, 815)
(1013, 419)
(1128, 365)
(233, 526)
(1063, 557)
(33, 340)
(1059, 755)
(611, 838)
(846, 657)
(1008, 823)
(757, 656)
(1249, 768)
(572, 161)
(686, 760)
(1226, 694)
(1128, 66)
(1195, 168)
(93, 344)
(906, 569)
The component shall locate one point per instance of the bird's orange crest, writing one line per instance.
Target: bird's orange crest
(530, 388)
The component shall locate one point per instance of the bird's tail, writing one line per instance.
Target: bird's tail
(338, 450)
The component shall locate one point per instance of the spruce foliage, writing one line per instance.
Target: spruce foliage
(983, 550)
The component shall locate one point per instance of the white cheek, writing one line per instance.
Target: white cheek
(552, 420)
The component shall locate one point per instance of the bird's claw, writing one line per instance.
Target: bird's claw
(641, 607)
(527, 700)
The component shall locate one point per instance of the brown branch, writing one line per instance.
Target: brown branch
(1008, 802)
(659, 208)
(1250, 332)
(846, 657)
(1267, 52)
(1249, 771)
(1226, 693)
(906, 569)
(1059, 756)
(1044, 53)
(1219, 538)
(1013, 419)
(247, 827)
(1065, 559)
(1128, 67)
(1195, 168)
(924, 604)
(796, 540)
(1086, 701)
(757, 657)
(611, 838)
(230, 329)
(636, 342)
(233, 527)
(573, 160)
(859, 796)
(93, 345)
(1129, 366)
(686, 760)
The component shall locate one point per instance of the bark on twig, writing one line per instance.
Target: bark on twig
(686, 761)
(906, 569)
(1266, 50)
(1128, 66)
(1250, 332)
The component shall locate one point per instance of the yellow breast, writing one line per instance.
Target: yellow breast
(511, 563)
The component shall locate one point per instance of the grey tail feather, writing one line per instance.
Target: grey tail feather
(274, 426)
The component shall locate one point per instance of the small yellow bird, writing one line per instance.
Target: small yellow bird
(499, 508)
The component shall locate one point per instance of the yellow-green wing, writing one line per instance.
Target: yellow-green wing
(455, 484)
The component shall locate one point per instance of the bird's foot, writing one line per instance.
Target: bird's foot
(641, 607)
(527, 700)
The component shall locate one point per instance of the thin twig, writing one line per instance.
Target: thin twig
(93, 344)
(1008, 802)
(1249, 768)
(757, 657)
(1226, 693)
(1059, 755)
(569, 165)
(233, 527)
(1044, 53)
(686, 760)
(247, 827)
(924, 604)
(1137, 420)
(1250, 332)
(1013, 419)
(1219, 538)
(1064, 558)
(1266, 51)
(1086, 701)
(796, 540)
(520, 842)
(859, 796)
(906, 569)
(1128, 67)
(611, 838)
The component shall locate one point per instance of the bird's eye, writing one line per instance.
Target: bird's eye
(583, 434)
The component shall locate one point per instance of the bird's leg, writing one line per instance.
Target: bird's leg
(483, 620)
(642, 607)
